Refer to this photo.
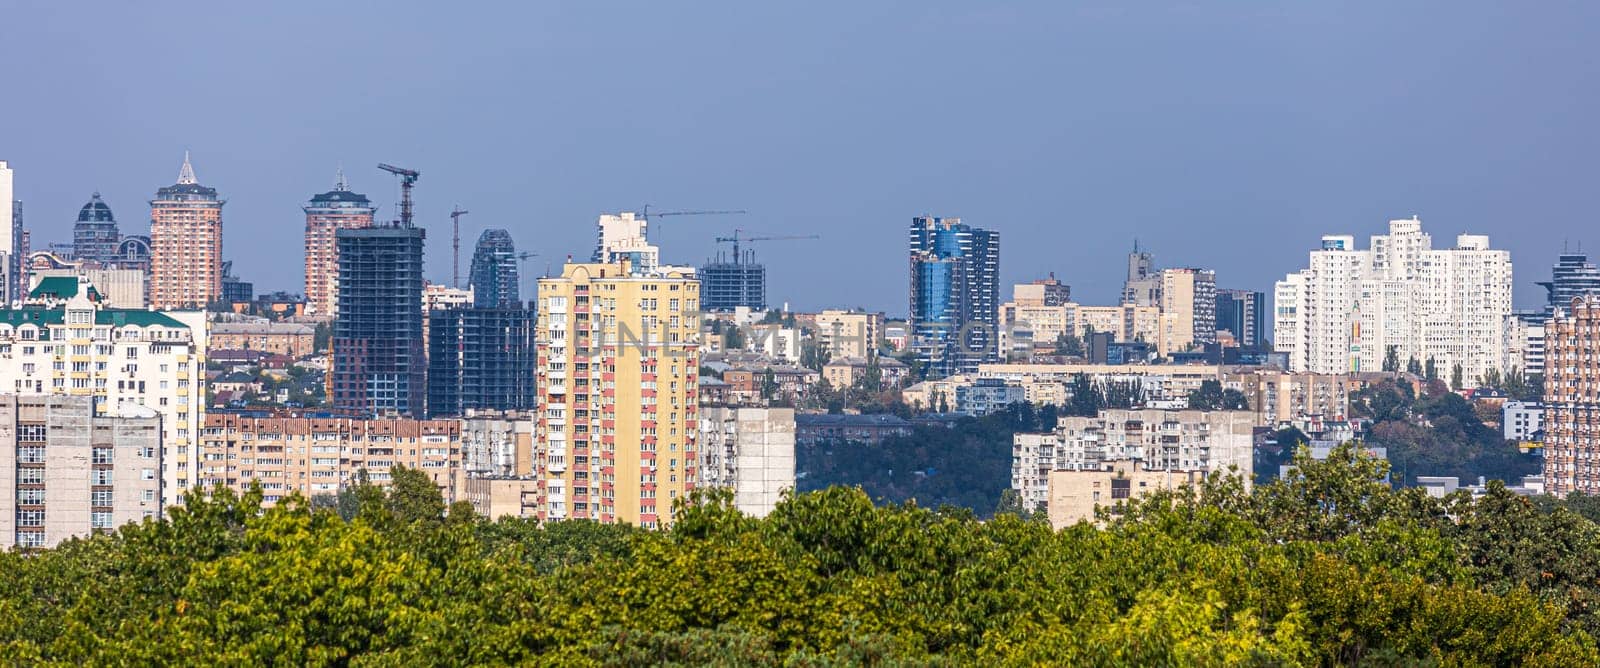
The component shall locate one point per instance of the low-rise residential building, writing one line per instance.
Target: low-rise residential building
(1158, 382)
(501, 497)
(280, 338)
(1075, 495)
(321, 455)
(774, 341)
(1278, 396)
(845, 372)
(749, 385)
(750, 451)
(849, 333)
(1175, 440)
(495, 443)
(1522, 420)
(937, 396)
(987, 395)
(69, 470)
(817, 428)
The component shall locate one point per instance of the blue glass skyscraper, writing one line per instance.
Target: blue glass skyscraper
(955, 295)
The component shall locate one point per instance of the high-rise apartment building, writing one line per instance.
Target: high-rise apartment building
(64, 342)
(749, 451)
(315, 456)
(95, 236)
(494, 272)
(618, 359)
(955, 295)
(480, 359)
(1142, 287)
(10, 237)
(379, 359)
(70, 470)
(1402, 299)
(625, 236)
(326, 214)
(1572, 398)
(185, 244)
(1188, 309)
(1239, 312)
(1572, 276)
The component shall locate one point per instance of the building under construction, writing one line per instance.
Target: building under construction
(733, 281)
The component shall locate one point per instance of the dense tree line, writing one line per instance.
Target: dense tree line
(1327, 568)
(1437, 434)
(965, 464)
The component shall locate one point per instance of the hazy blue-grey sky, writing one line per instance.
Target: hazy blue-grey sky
(1221, 134)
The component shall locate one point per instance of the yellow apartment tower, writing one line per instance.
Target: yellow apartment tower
(617, 364)
(185, 244)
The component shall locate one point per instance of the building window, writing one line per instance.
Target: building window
(30, 539)
(30, 518)
(102, 456)
(30, 476)
(100, 497)
(100, 519)
(33, 433)
(100, 477)
(1121, 488)
(30, 497)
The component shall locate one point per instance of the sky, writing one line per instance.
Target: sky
(1226, 135)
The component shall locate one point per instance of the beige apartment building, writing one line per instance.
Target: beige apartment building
(749, 451)
(618, 361)
(1188, 309)
(279, 338)
(1075, 495)
(314, 456)
(1127, 322)
(849, 333)
(68, 471)
(1277, 397)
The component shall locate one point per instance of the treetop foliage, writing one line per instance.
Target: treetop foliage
(1326, 567)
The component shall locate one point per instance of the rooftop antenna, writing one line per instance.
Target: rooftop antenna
(339, 183)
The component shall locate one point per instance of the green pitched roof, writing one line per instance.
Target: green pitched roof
(61, 287)
(116, 317)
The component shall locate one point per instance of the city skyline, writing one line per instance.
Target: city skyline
(1370, 136)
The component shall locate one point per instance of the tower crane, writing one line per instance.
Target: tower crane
(408, 178)
(645, 214)
(737, 239)
(455, 246)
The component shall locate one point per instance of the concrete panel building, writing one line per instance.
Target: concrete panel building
(1572, 399)
(1157, 440)
(296, 340)
(1075, 495)
(68, 470)
(750, 451)
(322, 455)
(849, 333)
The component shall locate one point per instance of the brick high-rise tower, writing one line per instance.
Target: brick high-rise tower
(185, 244)
(329, 212)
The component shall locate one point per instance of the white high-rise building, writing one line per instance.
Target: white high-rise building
(65, 342)
(10, 235)
(1350, 308)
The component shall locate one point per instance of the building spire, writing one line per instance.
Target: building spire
(186, 173)
(339, 184)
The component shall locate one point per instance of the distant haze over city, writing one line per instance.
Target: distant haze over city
(1229, 137)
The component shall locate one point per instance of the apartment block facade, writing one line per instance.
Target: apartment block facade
(1350, 310)
(1158, 440)
(63, 342)
(70, 471)
(185, 244)
(326, 214)
(749, 451)
(849, 333)
(314, 456)
(618, 361)
(1572, 398)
